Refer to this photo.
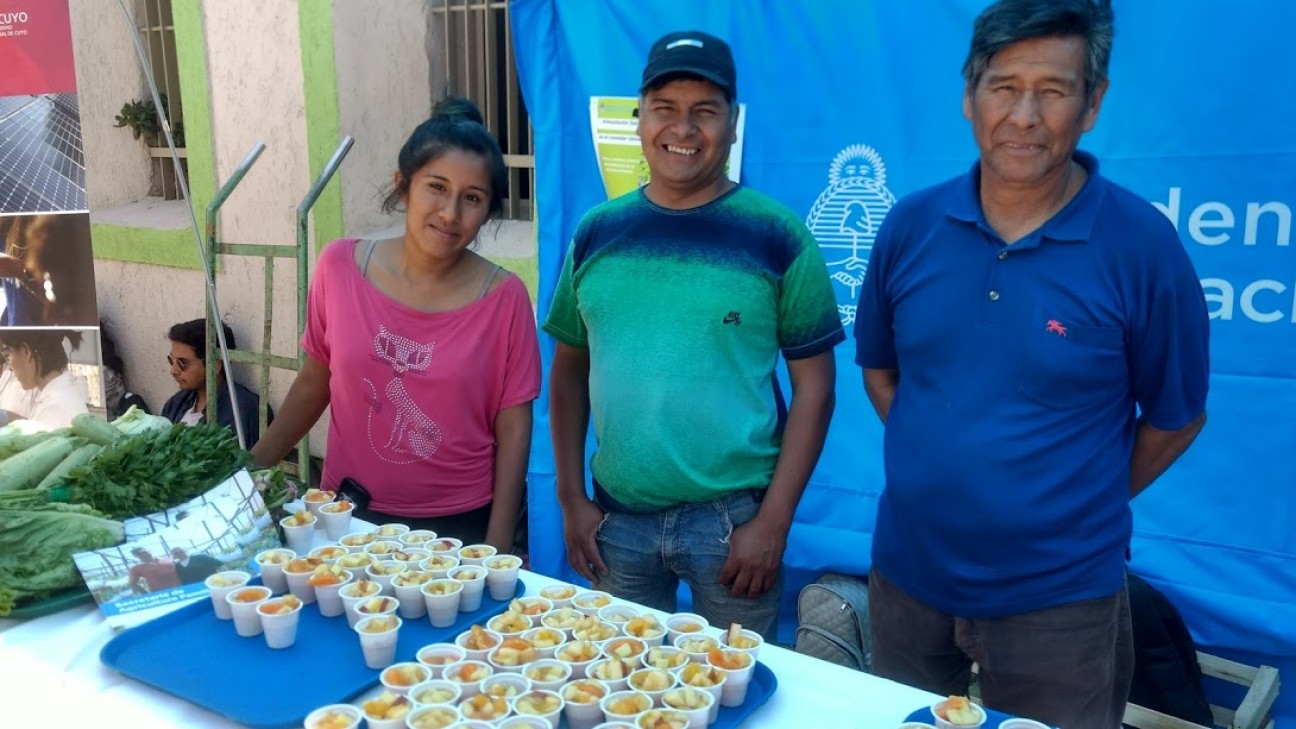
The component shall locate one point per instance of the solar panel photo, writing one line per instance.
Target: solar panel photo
(41, 164)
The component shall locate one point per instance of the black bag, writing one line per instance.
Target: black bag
(1167, 677)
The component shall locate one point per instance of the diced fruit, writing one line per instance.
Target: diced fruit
(584, 692)
(510, 622)
(467, 574)
(538, 703)
(562, 618)
(316, 496)
(558, 592)
(687, 626)
(302, 565)
(405, 674)
(378, 625)
(578, 651)
(685, 699)
(479, 640)
(698, 645)
(470, 672)
(592, 601)
(625, 648)
(545, 674)
(433, 658)
(378, 605)
(362, 588)
(387, 706)
(226, 579)
(388, 567)
(645, 626)
(507, 562)
(325, 575)
(251, 594)
(392, 530)
(355, 560)
(530, 608)
(276, 556)
(476, 552)
(651, 679)
(665, 659)
(546, 638)
(728, 660)
(436, 717)
(357, 540)
(502, 690)
(337, 507)
(629, 705)
(701, 676)
(412, 579)
(443, 545)
(958, 710)
(590, 628)
(482, 706)
(282, 606)
(613, 669)
(443, 587)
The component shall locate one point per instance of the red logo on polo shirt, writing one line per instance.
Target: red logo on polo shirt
(1056, 327)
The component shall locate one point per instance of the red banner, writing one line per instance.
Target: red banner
(35, 48)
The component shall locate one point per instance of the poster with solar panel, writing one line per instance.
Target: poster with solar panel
(49, 335)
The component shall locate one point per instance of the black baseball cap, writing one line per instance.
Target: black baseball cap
(692, 52)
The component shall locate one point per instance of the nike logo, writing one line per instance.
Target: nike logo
(733, 317)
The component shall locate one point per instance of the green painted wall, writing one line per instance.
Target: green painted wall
(319, 79)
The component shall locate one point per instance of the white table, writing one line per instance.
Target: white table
(50, 672)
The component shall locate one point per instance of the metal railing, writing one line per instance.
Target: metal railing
(478, 55)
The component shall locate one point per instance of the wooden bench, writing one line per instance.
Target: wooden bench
(1252, 713)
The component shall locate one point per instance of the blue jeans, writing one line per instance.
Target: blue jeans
(648, 554)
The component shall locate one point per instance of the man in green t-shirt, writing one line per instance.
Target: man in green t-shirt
(672, 308)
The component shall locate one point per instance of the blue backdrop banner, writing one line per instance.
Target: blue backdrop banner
(852, 104)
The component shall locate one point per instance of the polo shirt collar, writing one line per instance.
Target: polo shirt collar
(1073, 222)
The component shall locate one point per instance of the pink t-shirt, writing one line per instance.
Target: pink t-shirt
(413, 394)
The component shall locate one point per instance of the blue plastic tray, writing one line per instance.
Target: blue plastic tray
(992, 717)
(191, 654)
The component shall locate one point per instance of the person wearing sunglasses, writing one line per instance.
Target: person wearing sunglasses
(189, 369)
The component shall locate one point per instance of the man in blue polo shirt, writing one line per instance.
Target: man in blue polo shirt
(1035, 340)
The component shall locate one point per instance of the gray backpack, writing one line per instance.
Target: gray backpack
(833, 622)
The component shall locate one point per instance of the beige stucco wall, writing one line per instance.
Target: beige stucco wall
(384, 91)
(108, 75)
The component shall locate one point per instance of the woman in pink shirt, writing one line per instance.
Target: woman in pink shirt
(425, 351)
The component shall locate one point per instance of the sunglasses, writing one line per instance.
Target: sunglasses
(180, 362)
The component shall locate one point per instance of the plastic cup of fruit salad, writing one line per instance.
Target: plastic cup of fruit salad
(381, 605)
(624, 705)
(695, 703)
(441, 601)
(299, 531)
(654, 682)
(355, 561)
(408, 587)
(681, 623)
(314, 499)
(436, 656)
(704, 678)
(400, 677)
(440, 564)
(391, 531)
(298, 572)
(336, 518)
(417, 537)
(353, 593)
(737, 667)
(357, 541)
(444, 545)
(591, 628)
(333, 716)
(436, 691)
(696, 646)
(525, 721)
(484, 708)
(560, 595)
(618, 615)
(468, 676)
(383, 570)
(505, 685)
(615, 672)
(279, 617)
(579, 654)
(271, 562)
(512, 655)
(563, 619)
(222, 584)
(742, 639)
(328, 554)
(378, 636)
(243, 608)
(548, 674)
(502, 576)
(474, 583)
(510, 623)
(591, 601)
(667, 658)
(545, 640)
(388, 710)
(541, 703)
(972, 716)
(475, 554)
(327, 581)
(581, 702)
(645, 628)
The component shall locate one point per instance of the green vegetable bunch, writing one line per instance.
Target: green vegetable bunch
(37, 543)
(154, 471)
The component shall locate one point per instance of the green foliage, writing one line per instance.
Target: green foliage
(37, 544)
(142, 117)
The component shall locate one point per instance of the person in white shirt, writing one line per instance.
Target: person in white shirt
(40, 365)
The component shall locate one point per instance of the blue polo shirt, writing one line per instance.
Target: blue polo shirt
(1021, 367)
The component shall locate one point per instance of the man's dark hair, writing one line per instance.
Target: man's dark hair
(194, 334)
(1013, 21)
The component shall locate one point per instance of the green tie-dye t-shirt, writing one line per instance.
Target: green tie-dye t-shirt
(684, 313)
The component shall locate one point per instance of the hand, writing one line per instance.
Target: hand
(581, 520)
(755, 554)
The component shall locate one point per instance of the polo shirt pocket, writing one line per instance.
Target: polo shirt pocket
(1065, 365)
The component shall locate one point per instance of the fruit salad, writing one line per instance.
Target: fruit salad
(546, 673)
(469, 672)
(302, 565)
(299, 519)
(479, 640)
(378, 625)
(644, 626)
(558, 592)
(334, 720)
(412, 578)
(377, 606)
(509, 622)
(506, 562)
(275, 556)
(406, 674)
(282, 606)
(355, 560)
(577, 651)
(337, 507)
(562, 618)
(515, 652)
(433, 717)
(665, 658)
(317, 496)
(392, 530)
(591, 628)
(538, 703)
(327, 575)
(362, 588)
(591, 600)
(251, 594)
(387, 706)
(686, 699)
(629, 704)
(958, 710)
(358, 540)
(477, 551)
(584, 692)
(486, 708)
(663, 719)
(625, 648)
(651, 679)
(435, 695)
(700, 675)
(468, 574)
(728, 660)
